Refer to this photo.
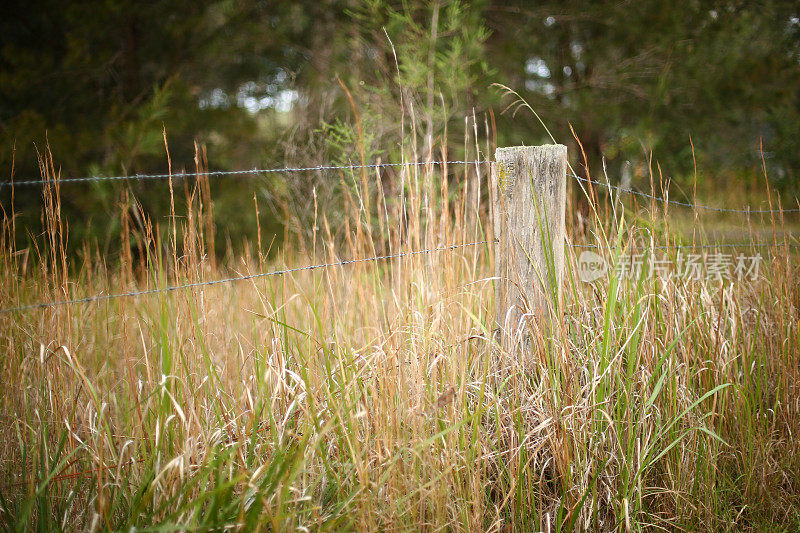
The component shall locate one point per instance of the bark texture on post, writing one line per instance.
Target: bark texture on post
(529, 221)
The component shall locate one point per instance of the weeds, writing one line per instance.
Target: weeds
(372, 396)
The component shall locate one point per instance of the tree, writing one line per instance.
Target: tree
(99, 82)
(262, 83)
(640, 77)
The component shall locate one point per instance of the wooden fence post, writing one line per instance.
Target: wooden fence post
(529, 217)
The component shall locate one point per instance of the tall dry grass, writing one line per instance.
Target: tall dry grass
(374, 396)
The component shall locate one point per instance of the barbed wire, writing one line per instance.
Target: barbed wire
(171, 288)
(693, 246)
(254, 171)
(215, 173)
(683, 204)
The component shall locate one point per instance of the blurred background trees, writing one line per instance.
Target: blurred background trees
(263, 83)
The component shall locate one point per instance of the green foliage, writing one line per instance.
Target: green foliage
(430, 61)
(252, 82)
(632, 78)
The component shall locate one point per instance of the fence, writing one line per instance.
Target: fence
(547, 165)
(530, 193)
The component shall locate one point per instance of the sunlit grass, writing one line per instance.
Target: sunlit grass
(375, 396)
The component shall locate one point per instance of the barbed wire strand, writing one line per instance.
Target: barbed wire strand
(171, 288)
(683, 204)
(214, 173)
(692, 246)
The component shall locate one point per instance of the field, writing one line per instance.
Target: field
(374, 396)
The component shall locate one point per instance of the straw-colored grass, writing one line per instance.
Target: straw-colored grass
(374, 396)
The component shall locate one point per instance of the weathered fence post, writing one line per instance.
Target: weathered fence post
(529, 216)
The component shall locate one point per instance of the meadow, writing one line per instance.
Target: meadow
(374, 395)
